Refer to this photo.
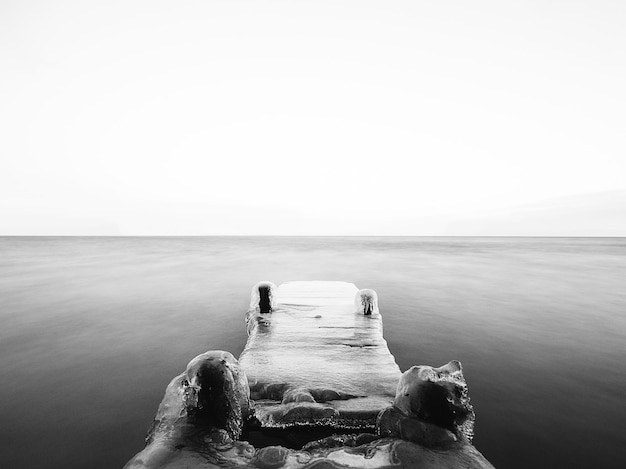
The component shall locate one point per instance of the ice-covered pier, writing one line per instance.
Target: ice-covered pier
(315, 365)
(317, 358)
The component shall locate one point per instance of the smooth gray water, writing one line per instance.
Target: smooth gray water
(93, 329)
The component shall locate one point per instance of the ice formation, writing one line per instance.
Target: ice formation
(431, 407)
(317, 361)
(301, 371)
(366, 302)
(263, 297)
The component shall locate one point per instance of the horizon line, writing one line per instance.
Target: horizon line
(292, 236)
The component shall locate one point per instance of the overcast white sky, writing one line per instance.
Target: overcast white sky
(313, 117)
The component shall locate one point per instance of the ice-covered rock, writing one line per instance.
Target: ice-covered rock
(432, 407)
(205, 406)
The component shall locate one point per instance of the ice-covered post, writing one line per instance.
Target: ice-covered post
(366, 302)
(263, 297)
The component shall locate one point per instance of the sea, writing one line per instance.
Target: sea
(92, 329)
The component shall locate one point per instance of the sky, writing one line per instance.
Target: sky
(503, 118)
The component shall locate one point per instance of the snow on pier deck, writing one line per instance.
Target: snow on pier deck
(317, 360)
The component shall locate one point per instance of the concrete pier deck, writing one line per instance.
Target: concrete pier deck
(316, 358)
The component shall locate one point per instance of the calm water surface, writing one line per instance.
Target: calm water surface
(93, 329)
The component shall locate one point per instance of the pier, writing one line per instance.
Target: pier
(316, 358)
(315, 365)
